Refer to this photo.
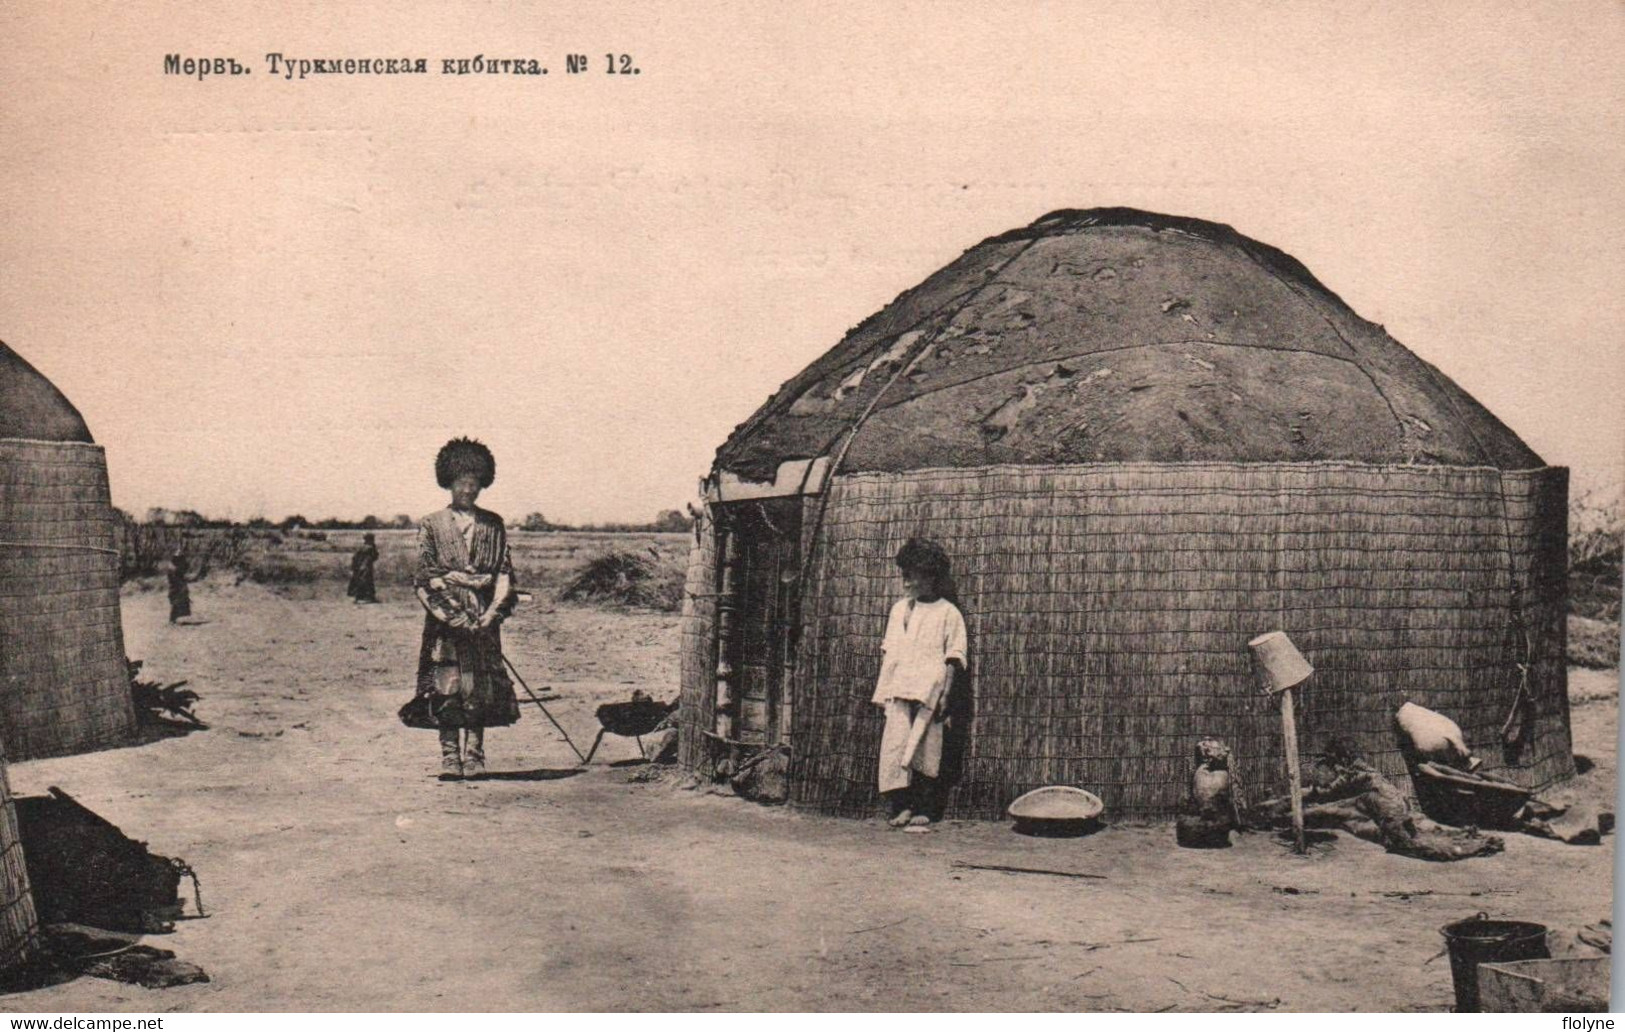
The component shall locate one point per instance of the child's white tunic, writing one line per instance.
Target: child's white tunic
(920, 638)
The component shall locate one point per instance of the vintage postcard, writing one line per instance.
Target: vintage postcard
(723, 507)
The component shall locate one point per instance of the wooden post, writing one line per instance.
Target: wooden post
(1289, 739)
(1282, 667)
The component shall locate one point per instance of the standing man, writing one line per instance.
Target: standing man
(180, 591)
(362, 587)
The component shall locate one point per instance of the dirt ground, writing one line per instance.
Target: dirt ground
(340, 875)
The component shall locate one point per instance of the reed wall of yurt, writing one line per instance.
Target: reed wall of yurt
(1109, 609)
(64, 685)
(18, 923)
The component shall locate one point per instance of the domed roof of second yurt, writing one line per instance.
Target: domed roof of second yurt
(64, 678)
(31, 407)
(1117, 335)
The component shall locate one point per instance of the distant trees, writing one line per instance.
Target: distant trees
(673, 521)
(666, 521)
(145, 544)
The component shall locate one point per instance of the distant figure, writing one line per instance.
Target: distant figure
(924, 647)
(464, 579)
(180, 592)
(362, 586)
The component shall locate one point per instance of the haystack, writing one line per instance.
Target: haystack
(64, 686)
(1143, 440)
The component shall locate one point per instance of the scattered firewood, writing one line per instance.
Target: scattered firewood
(1093, 946)
(1026, 870)
(1270, 1004)
(1408, 893)
(876, 928)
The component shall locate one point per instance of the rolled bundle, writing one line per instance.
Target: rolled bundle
(1427, 736)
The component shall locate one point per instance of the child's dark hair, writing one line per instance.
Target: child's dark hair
(927, 557)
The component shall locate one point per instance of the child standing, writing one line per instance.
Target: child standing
(924, 647)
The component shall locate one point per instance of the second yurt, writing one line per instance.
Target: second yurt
(64, 684)
(1143, 441)
(19, 926)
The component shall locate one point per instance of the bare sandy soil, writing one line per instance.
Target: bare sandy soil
(340, 875)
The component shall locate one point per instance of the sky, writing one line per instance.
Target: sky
(271, 297)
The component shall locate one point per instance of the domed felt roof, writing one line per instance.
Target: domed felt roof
(1117, 335)
(31, 407)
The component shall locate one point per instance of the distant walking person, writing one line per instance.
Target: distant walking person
(180, 592)
(464, 579)
(924, 647)
(362, 586)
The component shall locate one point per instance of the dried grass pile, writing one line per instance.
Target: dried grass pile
(1596, 546)
(641, 579)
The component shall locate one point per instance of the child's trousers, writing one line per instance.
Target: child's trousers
(900, 719)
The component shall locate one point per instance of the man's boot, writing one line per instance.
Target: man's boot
(451, 763)
(474, 753)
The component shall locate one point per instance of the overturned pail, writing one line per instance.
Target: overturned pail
(1280, 662)
(1479, 940)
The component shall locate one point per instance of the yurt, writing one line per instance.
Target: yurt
(1143, 440)
(64, 685)
(19, 925)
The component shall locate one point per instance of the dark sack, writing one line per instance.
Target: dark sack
(419, 712)
(84, 870)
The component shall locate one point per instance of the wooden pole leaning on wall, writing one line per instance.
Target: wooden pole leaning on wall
(726, 701)
(1282, 667)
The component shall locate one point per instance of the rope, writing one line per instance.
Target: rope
(1513, 727)
(545, 713)
(1516, 723)
(67, 548)
(185, 869)
(905, 364)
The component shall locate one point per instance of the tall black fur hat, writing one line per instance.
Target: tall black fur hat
(464, 455)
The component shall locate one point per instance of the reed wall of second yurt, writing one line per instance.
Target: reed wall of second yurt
(18, 922)
(64, 684)
(1109, 608)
